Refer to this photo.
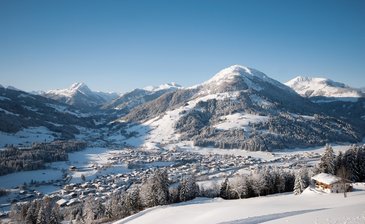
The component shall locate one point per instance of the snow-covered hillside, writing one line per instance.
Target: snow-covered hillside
(79, 94)
(171, 85)
(137, 97)
(310, 207)
(322, 87)
(225, 110)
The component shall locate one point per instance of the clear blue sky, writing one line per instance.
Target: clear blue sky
(121, 45)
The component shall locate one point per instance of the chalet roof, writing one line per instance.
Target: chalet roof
(61, 202)
(326, 178)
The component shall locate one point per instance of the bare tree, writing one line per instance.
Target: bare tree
(344, 174)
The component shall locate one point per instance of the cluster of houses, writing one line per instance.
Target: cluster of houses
(100, 188)
(182, 163)
(178, 163)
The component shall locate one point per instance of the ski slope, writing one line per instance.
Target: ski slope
(310, 207)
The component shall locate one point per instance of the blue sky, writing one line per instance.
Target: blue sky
(121, 45)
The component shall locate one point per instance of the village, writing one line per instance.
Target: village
(205, 167)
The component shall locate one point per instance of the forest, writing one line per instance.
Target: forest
(14, 159)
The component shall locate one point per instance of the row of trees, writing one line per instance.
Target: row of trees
(352, 161)
(14, 159)
(153, 191)
(44, 211)
(260, 182)
(156, 190)
(349, 166)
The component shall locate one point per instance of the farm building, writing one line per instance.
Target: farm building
(329, 183)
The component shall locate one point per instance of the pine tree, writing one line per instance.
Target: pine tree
(134, 196)
(225, 189)
(55, 215)
(155, 189)
(280, 183)
(31, 217)
(188, 189)
(113, 208)
(42, 216)
(299, 183)
(350, 163)
(327, 163)
(88, 214)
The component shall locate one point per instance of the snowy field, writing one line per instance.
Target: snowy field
(27, 136)
(310, 207)
(82, 160)
(239, 121)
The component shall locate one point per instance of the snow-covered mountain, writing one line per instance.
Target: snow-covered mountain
(248, 77)
(322, 87)
(137, 97)
(239, 107)
(23, 114)
(79, 94)
(166, 86)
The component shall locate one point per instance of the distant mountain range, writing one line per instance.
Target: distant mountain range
(239, 107)
(79, 94)
(21, 110)
(324, 90)
(137, 97)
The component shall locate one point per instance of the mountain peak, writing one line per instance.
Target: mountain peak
(314, 86)
(233, 72)
(171, 85)
(78, 85)
(238, 77)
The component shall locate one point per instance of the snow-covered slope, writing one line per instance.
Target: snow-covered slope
(79, 94)
(230, 74)
(310, 207)
(239, 107)
(137, 97)
(25, 118)
(171, 85)
(234, 74)
(322, 87)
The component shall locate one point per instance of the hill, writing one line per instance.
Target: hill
(310, 207)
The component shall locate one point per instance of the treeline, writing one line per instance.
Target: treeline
(349, 166)
(14, 159)
(153, 191)
(260, 182)
(352, 161)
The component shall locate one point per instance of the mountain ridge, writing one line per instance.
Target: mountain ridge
(322, 87)
(80, 95)
(271, 115)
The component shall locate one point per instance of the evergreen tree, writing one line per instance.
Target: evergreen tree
(350, 163)
(225, 189)
(155, 189)
(132, 200)
(188, 189)
(299, 183)
(280, 182)
(327, 163)
(55, 215)
(32, 213)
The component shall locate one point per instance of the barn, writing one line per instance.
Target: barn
(329, 183)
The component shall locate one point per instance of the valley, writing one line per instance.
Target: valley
(238, 129)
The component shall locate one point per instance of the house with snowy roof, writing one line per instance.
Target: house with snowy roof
(329, 183)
